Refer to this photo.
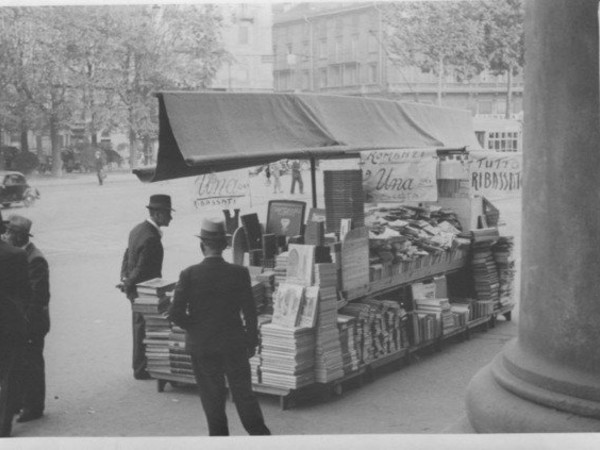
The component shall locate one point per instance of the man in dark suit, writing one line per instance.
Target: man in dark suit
(142, 261)
(33, 377)
(207, 303)
(14, 298)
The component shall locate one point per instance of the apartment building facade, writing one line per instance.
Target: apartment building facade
(341, 48)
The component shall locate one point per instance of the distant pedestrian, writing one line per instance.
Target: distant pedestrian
(15, 294)
(32, 370)
(267, 175)
(276, 174)
(142, 261)
(296, 177)
(99, 163)
(207, 303)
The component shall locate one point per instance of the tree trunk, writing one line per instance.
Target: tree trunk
(440, 81)
(56, 157)
(24, 140)
(132, 149)
(509, 90)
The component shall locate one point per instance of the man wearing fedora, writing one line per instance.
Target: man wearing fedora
(32, 369)
(15, 294)
(142, 261)
(207, 303)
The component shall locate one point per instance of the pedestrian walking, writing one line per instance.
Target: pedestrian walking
(267, 175)
(32, 367)
(207, 303)
(15, 294)
(99, 167)
(276, 174)
(142, 261)
(296, 177)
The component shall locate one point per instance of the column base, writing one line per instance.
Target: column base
(491, 408)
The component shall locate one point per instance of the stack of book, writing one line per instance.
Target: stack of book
(424, 327)
(280, 269)
(180, 359)
(503, 256)
(485, 272)
(256, 360)
(344, 198)
(156, 342)
(328, 350)
(461, 312)
(440, 308)
(153, 301)
(347, 330)
(258, 293)
(287, 356)
(365, 317)
(476, 309)
(153, 296)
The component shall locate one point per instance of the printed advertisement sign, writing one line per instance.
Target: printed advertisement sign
(496, 174)
(398, 176)
(221, 190)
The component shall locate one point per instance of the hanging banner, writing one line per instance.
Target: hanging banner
(496, 174)
(398, 176)
(221, 190)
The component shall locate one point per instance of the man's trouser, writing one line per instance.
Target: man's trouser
(211, 370)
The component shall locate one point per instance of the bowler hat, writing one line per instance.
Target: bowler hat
(212, 229)
(19, 224)
(160, 201)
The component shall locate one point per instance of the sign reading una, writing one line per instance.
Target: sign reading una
(221, 190)
(399, 175)
(496, 174)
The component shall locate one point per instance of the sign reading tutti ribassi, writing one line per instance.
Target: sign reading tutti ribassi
(221, 190)
(399, 175)
(496, 174)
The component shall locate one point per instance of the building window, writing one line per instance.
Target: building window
(350, 75)
(338, 49)
(323, 48)
(243, 33)
(372, 73)
(322, 78)
(354, 47)
(372, 42)
(336, 76)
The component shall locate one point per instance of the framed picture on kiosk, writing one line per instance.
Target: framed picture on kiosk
(285, 217)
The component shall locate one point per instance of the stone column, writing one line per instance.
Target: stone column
(548, 379)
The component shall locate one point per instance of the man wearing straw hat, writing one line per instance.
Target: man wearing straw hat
(33, 372)
(142, 261)
(207, 303)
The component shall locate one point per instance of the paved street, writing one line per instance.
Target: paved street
(83, 227)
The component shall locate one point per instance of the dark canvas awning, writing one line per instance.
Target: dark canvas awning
(203, 132)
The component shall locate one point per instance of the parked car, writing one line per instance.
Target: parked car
(15, 189)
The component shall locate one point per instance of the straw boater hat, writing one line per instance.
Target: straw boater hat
(19, 224)
(212, 229)
(160, 201)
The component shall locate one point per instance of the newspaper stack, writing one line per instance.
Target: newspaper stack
(280, 269)
(347, 330)
(157, 329)
(485, 273)
(440, 309)
(503, 256)
(328, 351)
(256, 360)
(180, 359)
(287, 356)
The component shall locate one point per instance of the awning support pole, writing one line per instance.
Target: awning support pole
(313, 179)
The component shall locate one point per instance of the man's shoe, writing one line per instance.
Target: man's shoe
(142, 376)
(28, 415)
